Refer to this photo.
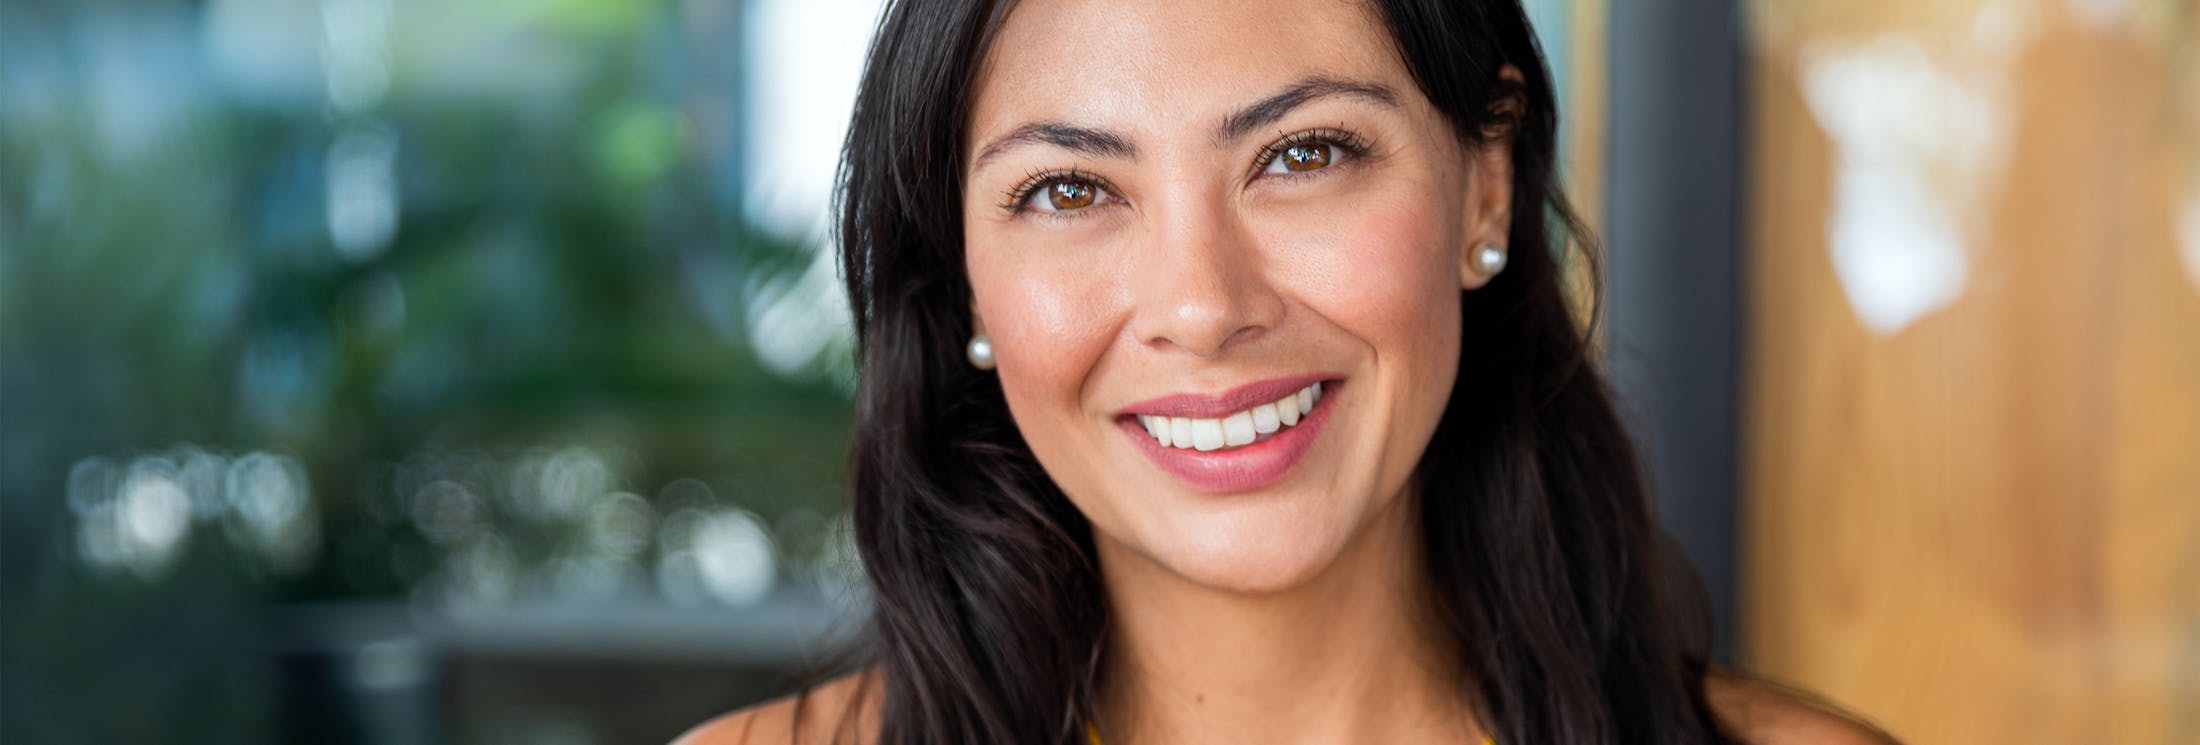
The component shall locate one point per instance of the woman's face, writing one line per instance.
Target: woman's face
(1182, 217)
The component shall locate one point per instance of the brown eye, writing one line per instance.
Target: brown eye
(1311, 152)
(1309, 157)
(1061, 192)
(1069, 195)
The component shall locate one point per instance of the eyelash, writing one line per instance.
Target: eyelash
(1340, 138)
(1350, 143)
(1020, 194)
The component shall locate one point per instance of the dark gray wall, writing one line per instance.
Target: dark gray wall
(1672, 239)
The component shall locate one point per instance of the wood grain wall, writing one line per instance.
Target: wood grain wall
(1972, 508)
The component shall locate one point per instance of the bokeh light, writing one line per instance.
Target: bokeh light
(329, 326)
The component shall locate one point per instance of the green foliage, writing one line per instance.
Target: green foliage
(563, 274)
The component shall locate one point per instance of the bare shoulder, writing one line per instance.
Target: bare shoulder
(1763, 713)
(844, 711)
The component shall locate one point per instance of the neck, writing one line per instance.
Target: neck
(1352, 655)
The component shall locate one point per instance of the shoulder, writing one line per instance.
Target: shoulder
(1765, 713)
(844, 710)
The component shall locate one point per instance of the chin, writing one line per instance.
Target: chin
(1257, 550)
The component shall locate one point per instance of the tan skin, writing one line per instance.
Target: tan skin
(1331, 236)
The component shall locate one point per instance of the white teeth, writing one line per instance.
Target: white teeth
(1265, 420)
(1241, 428)
(1207, 434)
(1158, 426)
(1237, 429)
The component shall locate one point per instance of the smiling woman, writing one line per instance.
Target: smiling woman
(1219, 384)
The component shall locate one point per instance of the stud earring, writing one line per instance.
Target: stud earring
(981, 352)
(1489, 259)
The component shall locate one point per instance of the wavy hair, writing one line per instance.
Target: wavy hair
(990, 620)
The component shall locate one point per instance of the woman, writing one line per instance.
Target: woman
(1219, 384)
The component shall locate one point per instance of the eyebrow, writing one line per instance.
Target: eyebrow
(1103, 143)
(1268, 110)
(1098, 143)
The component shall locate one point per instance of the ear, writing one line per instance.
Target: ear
(1489, 171)
(977, 322)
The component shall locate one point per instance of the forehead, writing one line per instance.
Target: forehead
(1147, 65)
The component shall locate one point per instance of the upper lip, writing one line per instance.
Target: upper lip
(1215, 406)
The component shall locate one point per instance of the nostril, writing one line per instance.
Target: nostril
(1210, 341)
(1207, 329)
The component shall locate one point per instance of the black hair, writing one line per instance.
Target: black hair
(990, 619)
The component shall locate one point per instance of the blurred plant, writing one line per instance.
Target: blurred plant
(450, 303)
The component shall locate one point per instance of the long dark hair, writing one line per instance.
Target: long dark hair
(1545, 562)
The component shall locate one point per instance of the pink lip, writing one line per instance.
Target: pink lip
(1239, 469)
(1199, 406)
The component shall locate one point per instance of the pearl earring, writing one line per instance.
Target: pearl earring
(981, 352)
(1489, 259)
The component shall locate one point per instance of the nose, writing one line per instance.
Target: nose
(1202, 287)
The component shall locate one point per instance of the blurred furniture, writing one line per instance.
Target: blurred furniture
(612, 674)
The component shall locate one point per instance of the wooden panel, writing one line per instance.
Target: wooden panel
(1972, 507)
(1584, 111)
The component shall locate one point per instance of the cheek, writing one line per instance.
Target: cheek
(1385, 269)
(1049, 321)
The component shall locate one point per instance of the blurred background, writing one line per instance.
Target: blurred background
(395, 371)
(386, 371)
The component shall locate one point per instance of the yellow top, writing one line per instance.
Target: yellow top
(1093, 733)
